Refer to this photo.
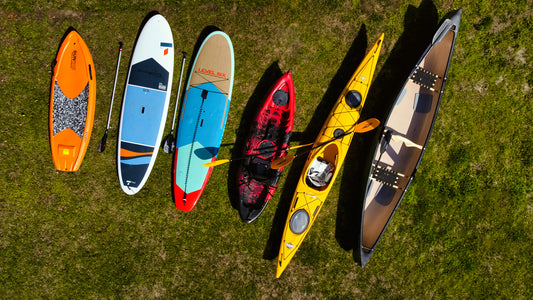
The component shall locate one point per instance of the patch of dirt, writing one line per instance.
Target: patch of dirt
(498, 25)
(57, 16)
(520, 55)
(526, 87)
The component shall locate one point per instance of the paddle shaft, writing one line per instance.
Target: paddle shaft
(364, 126)
(114, 87)
(179, 92)
(325, 143)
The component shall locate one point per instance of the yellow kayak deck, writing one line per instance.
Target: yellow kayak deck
(323, 163)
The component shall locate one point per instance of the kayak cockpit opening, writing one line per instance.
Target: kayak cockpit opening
(322, 168)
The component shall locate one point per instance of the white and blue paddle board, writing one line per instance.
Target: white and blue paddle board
(203, 118)
(145, 104)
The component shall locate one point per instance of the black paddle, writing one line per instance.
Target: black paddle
(101, 146)
(277, 163)
(169, 145)
(362, 127)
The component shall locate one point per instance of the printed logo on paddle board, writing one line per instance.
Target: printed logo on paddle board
(211, 72)
(73, 59)
(165, 47)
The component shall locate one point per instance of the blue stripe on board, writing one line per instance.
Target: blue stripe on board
(135, 148)
(213, 113)
(142, 115)
(137, 160)
(166, 44)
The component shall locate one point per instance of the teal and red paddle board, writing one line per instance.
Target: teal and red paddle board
(203, 118)
(145, 104)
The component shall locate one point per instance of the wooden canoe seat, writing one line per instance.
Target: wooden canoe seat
(424, 78)
(386, 176)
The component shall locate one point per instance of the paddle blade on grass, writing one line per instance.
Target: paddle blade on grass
(102, 144)
(169, 144)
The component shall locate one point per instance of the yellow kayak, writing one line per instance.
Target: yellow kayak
(324, 162)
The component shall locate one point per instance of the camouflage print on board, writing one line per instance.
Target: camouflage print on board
(70, 113)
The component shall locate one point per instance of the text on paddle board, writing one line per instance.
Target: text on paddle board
(211, 72)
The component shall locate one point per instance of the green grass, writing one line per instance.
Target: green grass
(463, 230)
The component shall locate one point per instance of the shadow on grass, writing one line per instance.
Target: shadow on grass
(348, 66)
(419, 26)
(255, 102)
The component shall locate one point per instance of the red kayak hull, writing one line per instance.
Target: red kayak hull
(268, 140)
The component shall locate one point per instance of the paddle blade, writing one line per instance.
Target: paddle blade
(366, 125)
(300, 146)
(282, 161)
(169, 145)
(101, 146)
(407, 142)
(216, 163)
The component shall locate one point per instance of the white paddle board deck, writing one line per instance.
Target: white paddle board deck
(145, 104)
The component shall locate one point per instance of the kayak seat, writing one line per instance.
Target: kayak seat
(260, 170)
(386, 176)
(320, 173)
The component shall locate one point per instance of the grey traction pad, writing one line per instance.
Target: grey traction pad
(70, 113)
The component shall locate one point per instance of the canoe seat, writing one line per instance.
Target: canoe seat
(320, 173)
(388, 177)
(424, 78)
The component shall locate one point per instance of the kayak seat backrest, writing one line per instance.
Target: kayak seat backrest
(320, 173)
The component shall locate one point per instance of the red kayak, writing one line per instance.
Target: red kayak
(268, 140)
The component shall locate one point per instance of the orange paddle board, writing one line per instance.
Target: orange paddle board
(72, 103)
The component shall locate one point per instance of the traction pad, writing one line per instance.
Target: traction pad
(70, 113)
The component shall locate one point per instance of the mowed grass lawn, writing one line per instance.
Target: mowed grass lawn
(464, 229)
